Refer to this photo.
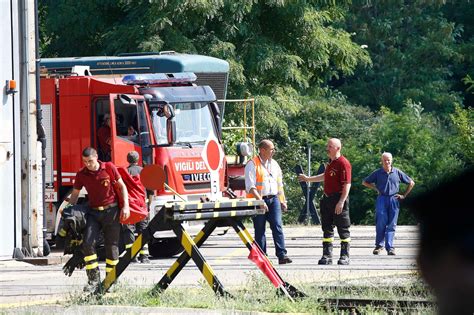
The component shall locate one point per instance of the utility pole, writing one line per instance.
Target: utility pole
(308, 186)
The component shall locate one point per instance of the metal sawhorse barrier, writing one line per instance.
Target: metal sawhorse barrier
(218, 214)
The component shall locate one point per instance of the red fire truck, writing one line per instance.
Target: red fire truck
(166, 117)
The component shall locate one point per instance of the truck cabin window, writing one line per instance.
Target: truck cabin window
(126, 121)
(193, 123)
(159, 126)
(103, 133)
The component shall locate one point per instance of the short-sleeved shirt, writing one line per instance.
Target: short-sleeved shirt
(337, 173)
(272, 177)
(98, 184)
(388, 184)
(134, 170)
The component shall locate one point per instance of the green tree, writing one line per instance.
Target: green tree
(277, 49)
(421, 147)
(322, 117)
(461, 13)
(463, 121)
(311, 76)
(413, 49)
(71, 28)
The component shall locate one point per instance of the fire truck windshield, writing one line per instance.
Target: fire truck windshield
(193, 123)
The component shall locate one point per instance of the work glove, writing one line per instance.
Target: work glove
(76, 261)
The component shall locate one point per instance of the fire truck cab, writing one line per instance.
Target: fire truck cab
(166, 117)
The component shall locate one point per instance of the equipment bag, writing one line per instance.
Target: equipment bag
(136, 195)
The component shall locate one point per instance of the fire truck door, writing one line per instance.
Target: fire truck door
(126, 127)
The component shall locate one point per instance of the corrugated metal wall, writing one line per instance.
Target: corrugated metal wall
(218, 83)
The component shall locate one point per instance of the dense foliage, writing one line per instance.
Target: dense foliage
(389, 75)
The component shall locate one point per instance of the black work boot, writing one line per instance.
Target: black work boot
(93, 283)
(327, 254)
(344, 259)
(302, 219)
(143, 258)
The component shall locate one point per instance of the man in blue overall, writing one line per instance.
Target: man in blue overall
(386, 182)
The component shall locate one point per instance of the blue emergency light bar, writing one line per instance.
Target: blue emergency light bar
(158, 78)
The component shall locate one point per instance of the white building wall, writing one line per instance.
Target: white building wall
(10, 157)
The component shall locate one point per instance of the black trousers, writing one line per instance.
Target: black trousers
(108, 221)
(329, 218)
(129, 230)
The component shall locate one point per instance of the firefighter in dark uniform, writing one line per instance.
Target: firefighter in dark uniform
(335, 202)
(128, 229)
(103, 214)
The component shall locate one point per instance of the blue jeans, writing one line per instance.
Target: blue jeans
(273, 216)
(386, 216)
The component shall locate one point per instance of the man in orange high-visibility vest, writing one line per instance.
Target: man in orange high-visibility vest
(264, 181)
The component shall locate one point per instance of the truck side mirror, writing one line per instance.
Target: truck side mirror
(171, 131)
(125, 99)
(168, 111)
(216, 113)
(215, 108)
(165, 110)
(244, 151)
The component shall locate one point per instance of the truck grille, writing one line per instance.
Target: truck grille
(196, 186)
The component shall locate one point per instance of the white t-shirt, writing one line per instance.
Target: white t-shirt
(272, 176)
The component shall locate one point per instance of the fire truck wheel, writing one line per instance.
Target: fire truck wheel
(166, 247)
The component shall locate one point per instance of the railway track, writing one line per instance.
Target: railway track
(228, 257)
(359, 305)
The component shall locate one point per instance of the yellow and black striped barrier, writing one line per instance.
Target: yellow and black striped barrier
(213, 207)
(212, 215)
(188, 211)
(219, 213)
(248, 240)
(125, 259)
(184, 258)
(192, 250)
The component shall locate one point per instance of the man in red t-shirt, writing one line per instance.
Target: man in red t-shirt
(98, 178)
(335, 202)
